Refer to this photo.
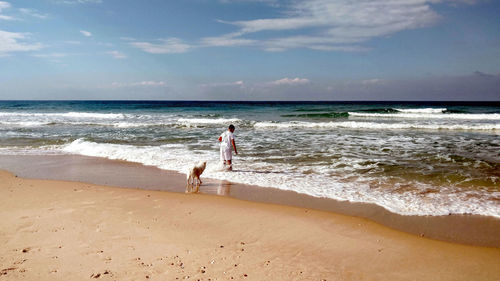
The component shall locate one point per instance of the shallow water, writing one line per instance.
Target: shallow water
(411, 158)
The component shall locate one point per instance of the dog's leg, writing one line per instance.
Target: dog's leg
(198, 183)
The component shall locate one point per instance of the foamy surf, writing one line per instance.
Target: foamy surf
(428, 116)
(178, 157)
(66, 114)
(204, 121)
(421, 110)
(376, 126)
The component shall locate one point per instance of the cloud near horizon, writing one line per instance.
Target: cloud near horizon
(139, 84)
(290, 81)
(482, 85)
(239, 83)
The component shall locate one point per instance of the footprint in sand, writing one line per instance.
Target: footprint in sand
(87, 202)
(7, 270)
(26, 227)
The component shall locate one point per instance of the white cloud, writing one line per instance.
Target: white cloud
(77, 1)
(324, 25)
(12, 42)
(117, 54)
(33, 13)
(269, 2)
(223, 84)
(290, 81)
(85, 33)
(333, 25)
(50, 55)
(5, 5)
(227, 40)
(167, 46)
(139, 84)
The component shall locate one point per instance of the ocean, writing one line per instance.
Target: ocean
(412, 158)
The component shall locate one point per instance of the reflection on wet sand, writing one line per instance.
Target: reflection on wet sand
(224, 188)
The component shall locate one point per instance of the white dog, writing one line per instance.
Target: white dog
(193, 175)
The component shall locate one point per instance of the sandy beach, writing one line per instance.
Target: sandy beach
(60, 230)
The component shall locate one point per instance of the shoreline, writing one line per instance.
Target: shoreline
(465, 229)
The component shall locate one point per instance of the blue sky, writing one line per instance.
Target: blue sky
(250, 49)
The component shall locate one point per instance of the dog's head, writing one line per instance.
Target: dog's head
(202, 165)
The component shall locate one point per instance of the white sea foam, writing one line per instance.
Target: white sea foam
(94, 115)
(66, 114)
(376, 126)
(204, 121)
(117, 123)
(177, 157)
(24, 124)
(421, 110)
(423, 115)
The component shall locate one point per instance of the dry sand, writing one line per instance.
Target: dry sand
(57, 230)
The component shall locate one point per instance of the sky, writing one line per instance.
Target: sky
(250, 49)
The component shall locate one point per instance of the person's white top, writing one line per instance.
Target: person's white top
(227, 137)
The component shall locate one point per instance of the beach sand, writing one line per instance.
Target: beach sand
(61, 230)
(465, 229)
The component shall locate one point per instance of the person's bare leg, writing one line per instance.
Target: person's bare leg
(230, 168)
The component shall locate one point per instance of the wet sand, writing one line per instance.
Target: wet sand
(465, 229)
(60, 230)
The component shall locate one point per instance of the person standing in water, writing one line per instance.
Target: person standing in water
(226, 140)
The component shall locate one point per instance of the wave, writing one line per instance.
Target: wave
(310, 109)
(26, 123)
(409, 113)
(319, 115)
(376, 126)
(421, 110)
(379, 110)
(66, 114)
(177, 156)
(449, 116)
(204, 121)
(458, 111)
(188, 122)
(104, 124)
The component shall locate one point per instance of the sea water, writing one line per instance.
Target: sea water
(410, 158)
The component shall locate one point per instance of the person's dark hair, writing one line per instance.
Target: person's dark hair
(231, 127)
